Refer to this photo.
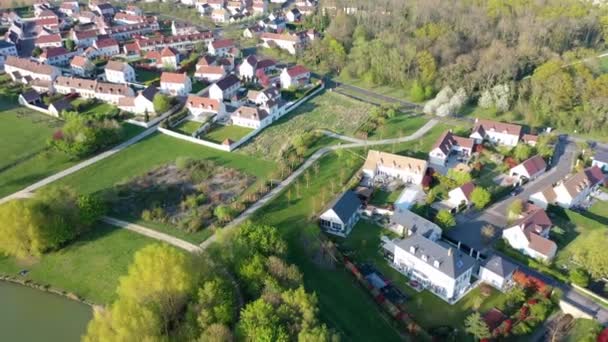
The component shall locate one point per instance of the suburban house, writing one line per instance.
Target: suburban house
(106, 47)
(199, 105)
(404, 222)
(458, 199)
(84, 38)
(250, 65)
(406, 169)
(220, 47)
(81, 66)
(57, 56)
(57, 107)
(293, 15)
(49, 40)
(449, 144)
(251, 117)
(180, 28)
(107, 92)
(436, 266)
(167, 59)
(600, 159)
(572, 191)
(253, 31)
(123, 32)
(530, 234)
(296, 76)
(29, 97)
(69, 8)
(184, 42)
(24, 70)
(497, 272)
(209, 73)
(496, 132)
(123, 18)
(530, 139)
(225, 88)
(141, 104)
(342, 215)
(175, 84)
(220, 15)
(529, 169)
(119, 72)
(263, 96)
(290, 42)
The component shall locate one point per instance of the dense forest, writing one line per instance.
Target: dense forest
(511, 55)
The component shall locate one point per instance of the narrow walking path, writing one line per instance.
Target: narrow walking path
(24, 192)
(185, 245)
(308, 163)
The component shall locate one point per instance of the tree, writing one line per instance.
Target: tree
(522, 152)
(70, 45)
(516, 295)
(579, 277)
(476, 326)
(459, 177)
(224, 213)
(260, 322)
(81, 136)
(216, 333)
(515, 208)
(36, 52)
(417, 93)
(259, 238)
(161, 103)
(216, 303)
(445, 219)
(91, 209)
(480, 197)
(487, 232)
(540, 310)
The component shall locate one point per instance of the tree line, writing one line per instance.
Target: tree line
(240, 288)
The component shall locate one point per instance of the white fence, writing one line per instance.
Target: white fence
(36, 108)
(155, 120)
(233, 146)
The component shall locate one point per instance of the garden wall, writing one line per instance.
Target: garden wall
(155, 120)
(38, 109)
(194, 140)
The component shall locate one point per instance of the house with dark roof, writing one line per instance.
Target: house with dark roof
(498, 272)
(406, 223)
(296, 76)
(530, 234)
(140, 104)
(572, 191)
(225, 88)
(529, 169)
(30, 97)
(342, 214)
(600, 159)
(438, 267)
(57, 107)
(448, 144)
(499, 133)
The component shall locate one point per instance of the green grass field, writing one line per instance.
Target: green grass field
(96, 108)
(328, 110)
(146, 77)
(187, 127)
(219, 133)
(89, 267)
(398, 93)
(399, 126)
(154, 151)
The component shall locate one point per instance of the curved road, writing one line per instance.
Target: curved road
(310, 161)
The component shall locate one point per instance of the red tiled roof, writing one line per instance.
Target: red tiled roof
(172, 77)
(106, 42)
(542, 245)
(210, 69)
(448, 139)
(26, 64)
(202, 102)
(297, 70)
(50, 38)
(489, 125)
(79, 61)
(222, 43)
(467, 189)
(279, 36)
(168, 52)
(54, 52)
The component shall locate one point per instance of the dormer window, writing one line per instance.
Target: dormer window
(413, 249)
(436, 263)
(425, 257)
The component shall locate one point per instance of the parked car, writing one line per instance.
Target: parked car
(518, 190)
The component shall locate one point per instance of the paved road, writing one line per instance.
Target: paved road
(469, 225)
(309, 162)
(24, 192)
(185, 245)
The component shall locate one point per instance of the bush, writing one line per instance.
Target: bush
(81, 136)
(162, 103)
(183, 163)
(579, 277)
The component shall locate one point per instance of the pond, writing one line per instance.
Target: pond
(27, 314)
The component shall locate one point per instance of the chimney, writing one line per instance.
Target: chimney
(450, 251)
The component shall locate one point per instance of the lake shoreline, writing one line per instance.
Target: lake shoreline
(48, 289)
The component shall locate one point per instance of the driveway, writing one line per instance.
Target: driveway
(468, 227)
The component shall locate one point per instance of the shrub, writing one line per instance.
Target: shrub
(183, 163)
(579, 277)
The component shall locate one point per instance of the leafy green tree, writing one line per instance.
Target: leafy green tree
(36, 52)
(540, 310)
(427, 67)
(522, 152)
(579, 277)
(515, 208)
(261, 322)
(476, 326)
(259, 238)
(161, 102)
(445, 219)
(81, 136)
(224, 213)
(91, 209)
(459, 177)
(70, 45)
(417, 93)
(216, 303)
(480, 197)
(516, 295)
(216, 333)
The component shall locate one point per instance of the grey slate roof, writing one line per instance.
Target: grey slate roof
(227, 82)
(149, 92)
(30, 96)
(500, 266)
(601, 156)
(61, 105)
(346, 205)
(452, 265)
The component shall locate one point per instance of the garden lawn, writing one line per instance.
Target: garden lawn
(89, 267)
(329, 110)
(398, 93)
(146, 77)
(382, 198)
(364, 242)
(187, 127)
(219, 133)
(97, 108)
(398, 126)
(154, 151)
(344, 305)
(197, 86)
(473, 111)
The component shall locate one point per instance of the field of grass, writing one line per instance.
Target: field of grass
(331, 111)
(96, 108)
(398, 126)
(89, 267)
(220, 133)
(473, 111)
(146, 77)
(398, 93)
(154, 151)
(364, 241)
(187, 127)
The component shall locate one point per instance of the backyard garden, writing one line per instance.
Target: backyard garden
(220, 133)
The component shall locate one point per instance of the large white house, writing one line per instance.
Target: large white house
(342, 215)
(458, 198)
(175, 84)
(530, 234)
(81, 66)
(225, 88)
(447, 144)
(529, 169)
(141, 104)
(250, 65)
(199, 105)
(209, 72)
(107, 92)
(119, 72)
(496, 132)
(292, 43)
(25, 70)
(296, 76)
(497, 272)
(407, 169)
(572, 191)
(436, 266)
(220, 47)
(406, 223)
(251, 117)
